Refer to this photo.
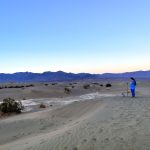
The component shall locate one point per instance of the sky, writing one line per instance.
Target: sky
(94, 36)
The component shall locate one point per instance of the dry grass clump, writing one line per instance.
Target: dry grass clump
(86, 86)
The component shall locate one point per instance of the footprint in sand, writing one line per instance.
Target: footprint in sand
(29, 133)
(68, 132)
(29, 148)
(43, 128)
(121, 139)
(42, 142)
(75, 148)
(65, 147)
(84, 141)
(100, 130)
(94, 139)
(107, 140)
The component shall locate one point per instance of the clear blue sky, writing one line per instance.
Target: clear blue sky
(93, 36)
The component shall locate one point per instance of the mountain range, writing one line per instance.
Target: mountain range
(63, 76)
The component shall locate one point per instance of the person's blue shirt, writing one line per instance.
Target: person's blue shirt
(132, 85)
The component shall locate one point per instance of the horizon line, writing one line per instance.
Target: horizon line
(72, 72)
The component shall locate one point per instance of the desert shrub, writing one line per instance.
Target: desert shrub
(73, 87)
(108, 85)
(46, 84)
(17, 86)
(101, 85)
(10, 87)
(42, 105)
(67, 90)
(86, 86)
(54, 83)
(9, 105)
(21, 86)
(30, 85)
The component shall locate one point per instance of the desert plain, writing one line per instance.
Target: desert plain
(93, 117)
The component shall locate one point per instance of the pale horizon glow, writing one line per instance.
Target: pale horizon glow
(74, 36)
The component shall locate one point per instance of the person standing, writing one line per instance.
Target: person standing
(133, 86)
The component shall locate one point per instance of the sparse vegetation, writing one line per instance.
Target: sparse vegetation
(16, 86)
(9, 105)
(54, 83)
(101, 85)
(46, 84)
(86, 86)
(30, 85)
(67, 90)
(42, 105)
(108, 85)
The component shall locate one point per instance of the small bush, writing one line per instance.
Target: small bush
(54, 83)
(42, 106)
(9, 105)
(86, 86)
(11, 87)
(30, 85)
(46, 84)
(108, 85)
(22, 86)
(101, 85)
(67, 90)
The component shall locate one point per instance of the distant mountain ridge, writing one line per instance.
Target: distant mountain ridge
(63, 76)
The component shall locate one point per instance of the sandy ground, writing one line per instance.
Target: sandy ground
(109, 122)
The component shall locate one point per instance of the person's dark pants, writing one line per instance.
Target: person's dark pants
(133, 92)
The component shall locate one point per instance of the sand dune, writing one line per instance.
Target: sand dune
(100, 123)
(33, 127)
